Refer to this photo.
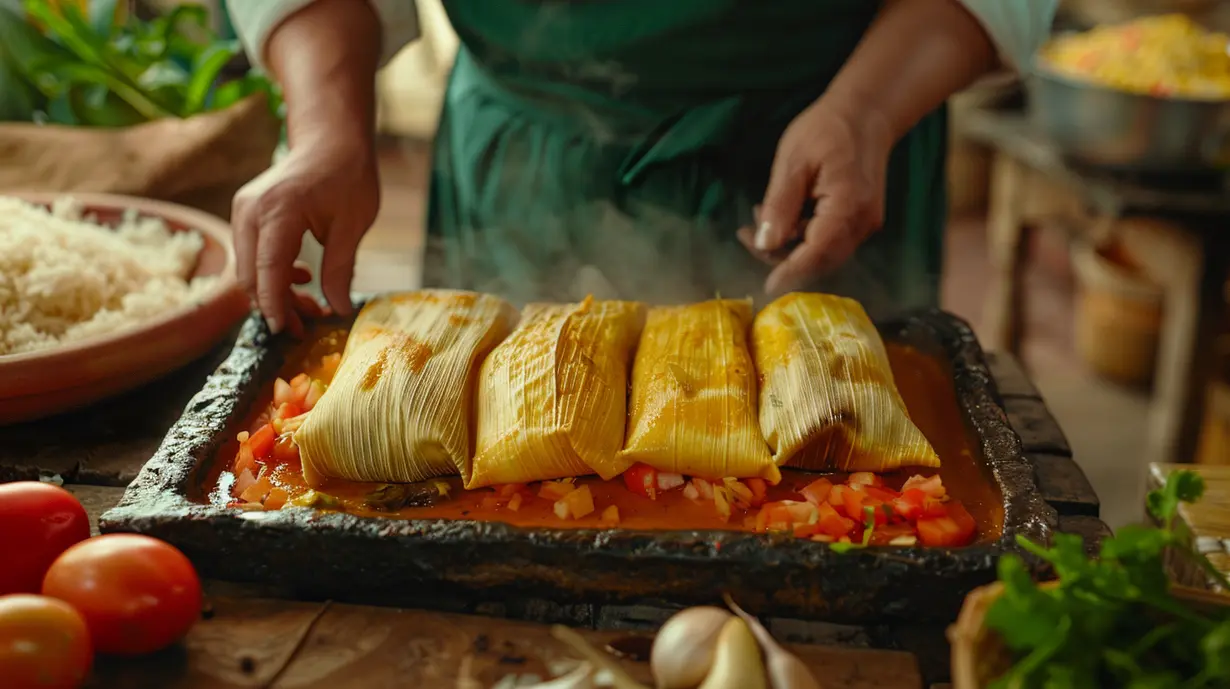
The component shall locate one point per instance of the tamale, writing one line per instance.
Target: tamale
(693, 401)
(828, 400)
(552, 398)
(399, 408)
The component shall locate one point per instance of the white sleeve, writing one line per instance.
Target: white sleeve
(255, 20)
(1017, 27)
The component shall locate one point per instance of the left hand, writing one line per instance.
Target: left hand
(838, 157)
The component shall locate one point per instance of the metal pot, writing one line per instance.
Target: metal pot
(1106, 127)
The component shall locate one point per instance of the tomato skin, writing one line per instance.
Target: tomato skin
(136, 593)
(44, 643)
(957, 528)
(38, 521)
(642, 479)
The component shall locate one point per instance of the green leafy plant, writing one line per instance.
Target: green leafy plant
(67, 68)
(1113, 621)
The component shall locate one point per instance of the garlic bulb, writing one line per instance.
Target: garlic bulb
(786, 671)
(683, 649)
(736, 659)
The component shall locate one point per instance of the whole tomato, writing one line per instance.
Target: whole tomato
(44, 643)
(136, 593)
(38, 521)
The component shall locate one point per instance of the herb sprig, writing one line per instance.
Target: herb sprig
(1113, 622)
(59, 66)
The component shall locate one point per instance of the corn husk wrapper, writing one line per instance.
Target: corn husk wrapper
(400, 408)
(552, 398)
(693, 401)
(828, 400)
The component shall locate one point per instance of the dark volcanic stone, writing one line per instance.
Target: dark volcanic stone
(472, 565)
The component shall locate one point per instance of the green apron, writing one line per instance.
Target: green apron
(614, 147)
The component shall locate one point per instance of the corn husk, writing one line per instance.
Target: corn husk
(828, 400)
(693, 403)
(552, 398)
(399, 409)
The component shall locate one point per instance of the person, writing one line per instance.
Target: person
(663, 150)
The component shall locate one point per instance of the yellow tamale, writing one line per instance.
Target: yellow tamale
(693, 402)
(552, 398)
(399, 408)
(827, 395)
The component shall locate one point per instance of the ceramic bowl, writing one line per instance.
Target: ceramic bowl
(44, 383)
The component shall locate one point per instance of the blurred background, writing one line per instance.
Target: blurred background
(1086, 231)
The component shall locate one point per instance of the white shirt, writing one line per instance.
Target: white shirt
(1017, 27)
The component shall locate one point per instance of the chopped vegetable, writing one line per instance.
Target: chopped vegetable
(669, 481)
(817, 491)
(555, 490)
(577, 504)
(514, 502)
(642, 479)
(610, 515)
(1113, 621)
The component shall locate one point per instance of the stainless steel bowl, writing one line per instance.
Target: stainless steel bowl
(1106, 127)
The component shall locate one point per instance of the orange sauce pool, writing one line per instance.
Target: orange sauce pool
(923, 380)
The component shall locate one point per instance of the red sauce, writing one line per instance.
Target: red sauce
(923, 380)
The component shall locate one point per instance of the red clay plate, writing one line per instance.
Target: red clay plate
(48, 382)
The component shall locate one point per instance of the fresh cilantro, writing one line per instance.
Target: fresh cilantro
(1112, 621)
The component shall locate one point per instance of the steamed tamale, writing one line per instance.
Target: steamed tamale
(400, 407)
(552, 398)
(693, 408)
(827, 395)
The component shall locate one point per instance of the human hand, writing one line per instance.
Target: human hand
(837, 157)
(328, 186)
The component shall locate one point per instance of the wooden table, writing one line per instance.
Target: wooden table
(1206, 523)
(1032, 185)
(252, 641)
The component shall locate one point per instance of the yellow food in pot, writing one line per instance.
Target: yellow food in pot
(1166, 56)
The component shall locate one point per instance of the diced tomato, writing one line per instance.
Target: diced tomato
(817, 491)
(881, 494)
(262, 442)
(761, 523)
(837, 496)
(852, 504)
(883, 535)
(704, 487)
(315, 391)
(287, 410)
(832, 523)
(610, 515)
(642, 479)
(759, 488)
(864, 478)
(514, 501)
(281, 392)
(801, 512)
(932, 486)
(555, 490)
(669, 481)
(257, 491)
(244, 461)
(276, 499)
(807, 530)
(777, 516)
(955, 529)
(285, 451)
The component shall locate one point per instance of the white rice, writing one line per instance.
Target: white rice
(65, 278)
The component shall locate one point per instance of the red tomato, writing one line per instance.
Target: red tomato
(883, 535)
(932, 486)
(881, 494)
(864, 478)
(951, 531)
(38, 521)
(44, 643)
(911, 504)
(642, 479)
(262, 442)
(759, 490)
(287, 410)
(136, 593)
(817, 491)
(832, 523)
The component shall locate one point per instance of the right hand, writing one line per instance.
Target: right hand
(328, 186)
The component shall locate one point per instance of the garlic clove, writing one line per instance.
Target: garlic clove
(582, 677)
(620, 678)
(683, 649)
(785, 669)
(736, 659)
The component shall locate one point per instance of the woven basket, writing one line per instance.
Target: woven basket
(978, 655)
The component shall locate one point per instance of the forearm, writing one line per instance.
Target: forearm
(325, 58)
(914, 56)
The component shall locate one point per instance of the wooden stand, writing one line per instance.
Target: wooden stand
(1187, 255)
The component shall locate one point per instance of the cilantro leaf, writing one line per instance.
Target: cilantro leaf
(1181, 486)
